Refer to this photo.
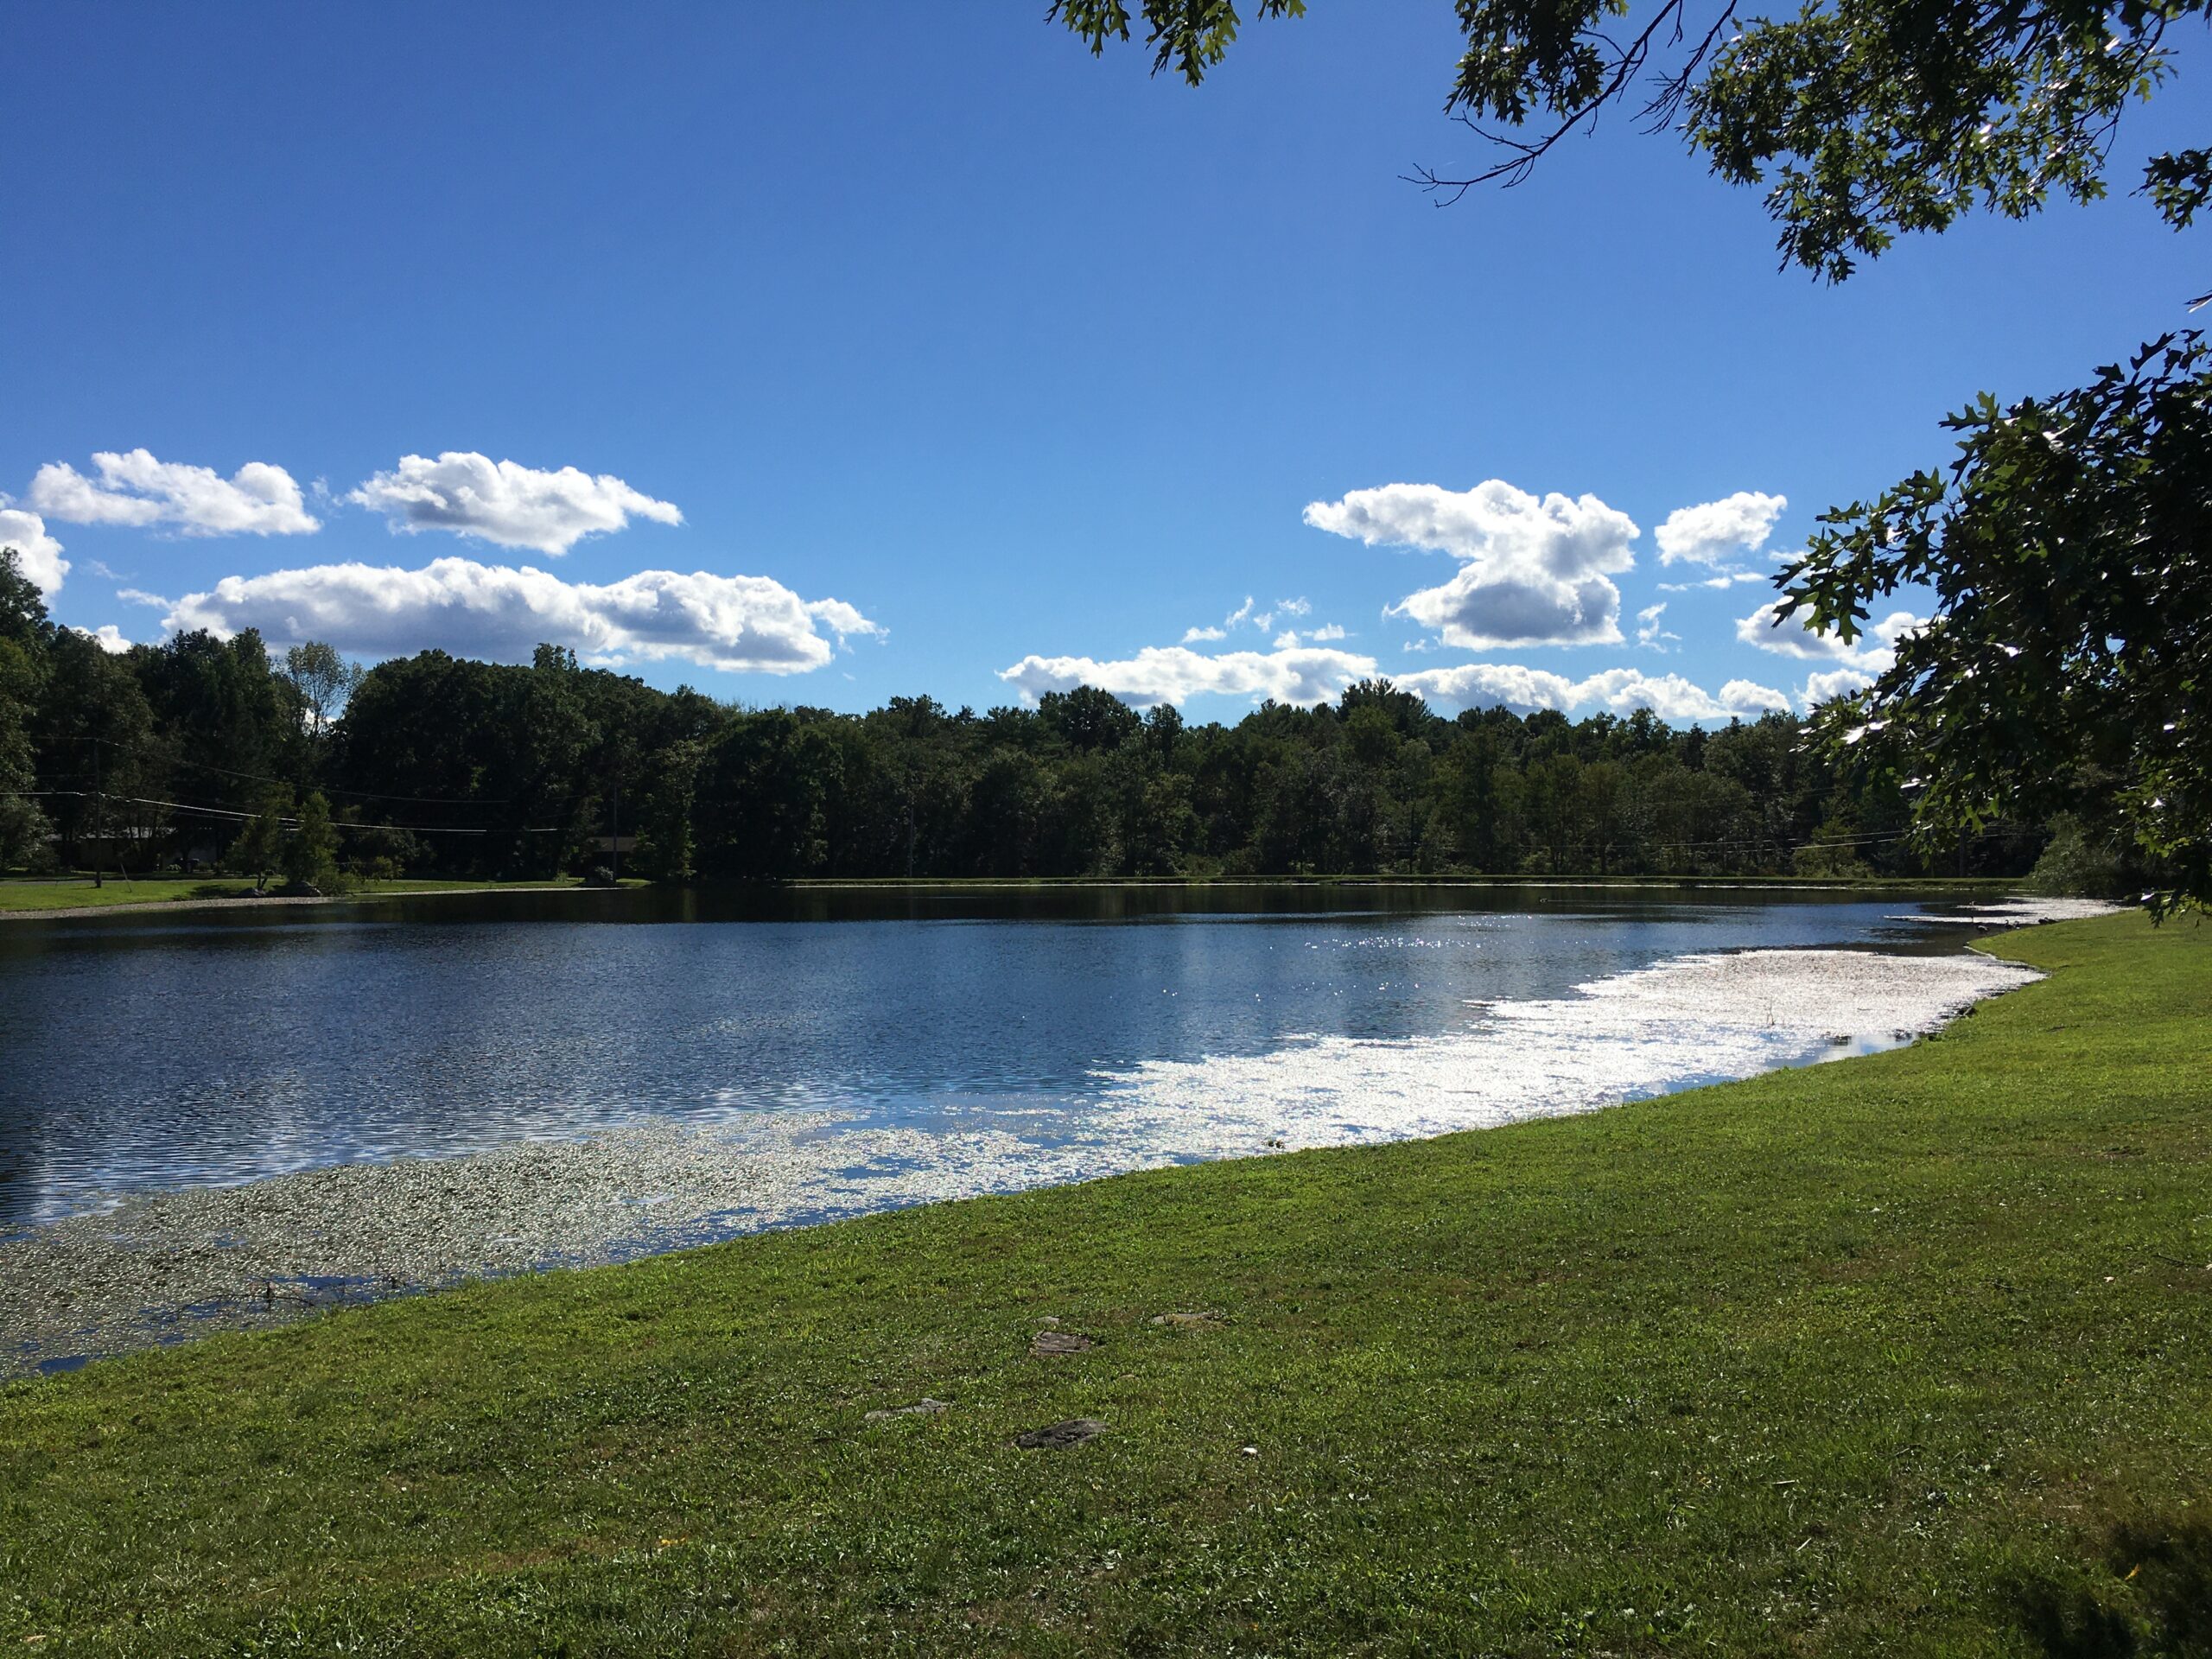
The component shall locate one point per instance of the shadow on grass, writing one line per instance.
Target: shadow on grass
(2156, 1603)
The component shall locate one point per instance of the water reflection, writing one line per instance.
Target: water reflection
(183, 1048)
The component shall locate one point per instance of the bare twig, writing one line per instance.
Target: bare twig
(1628, 63)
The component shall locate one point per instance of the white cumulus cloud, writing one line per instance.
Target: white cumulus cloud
(505, 502)
(1263, 620)
(39, 555)
(1716, 532)
(133, 488)
(1487, 685)
(1623, 690)
(844, 619)
(1765, 629)
(1874, 650)
(1853, 667)
(1536, 571)
(1175, 674)
(1824, 684)
(737, 624)
(107, 637)
(1729, 579)
(1649, 630)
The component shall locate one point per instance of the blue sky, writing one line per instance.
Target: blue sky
(964, 350)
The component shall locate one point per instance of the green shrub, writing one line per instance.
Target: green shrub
(2081, 863)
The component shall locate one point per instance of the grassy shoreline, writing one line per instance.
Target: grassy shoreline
(1966, 887)
(60, 898)
(1921, 1341)
(63, 898)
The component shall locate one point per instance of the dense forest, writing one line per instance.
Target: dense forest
(209, 752)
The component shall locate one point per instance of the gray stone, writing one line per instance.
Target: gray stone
(922, 1407)
(1058, 1437)
(1048, 1343)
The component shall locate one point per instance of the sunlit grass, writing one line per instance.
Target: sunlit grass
(74, 892)
(1886, 1354)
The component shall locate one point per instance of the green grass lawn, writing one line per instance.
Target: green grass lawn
(1904, 1354)
(38, 893)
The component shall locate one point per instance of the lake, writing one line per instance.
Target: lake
(1080, 1029)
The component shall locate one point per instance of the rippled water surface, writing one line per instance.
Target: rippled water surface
(164, 1051)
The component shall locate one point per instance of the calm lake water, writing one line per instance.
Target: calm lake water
(163, 1051)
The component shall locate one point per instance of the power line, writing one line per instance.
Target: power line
(229, 815)
(265, 778)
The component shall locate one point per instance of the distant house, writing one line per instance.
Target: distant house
(134, 846)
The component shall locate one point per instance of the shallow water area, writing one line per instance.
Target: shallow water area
(255, 1118)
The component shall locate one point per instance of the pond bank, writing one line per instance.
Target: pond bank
(1919, 1341)
(16, 895)
(14, 909)
(151, 1269)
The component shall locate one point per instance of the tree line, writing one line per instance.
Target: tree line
(215, 751)
(2063, 677)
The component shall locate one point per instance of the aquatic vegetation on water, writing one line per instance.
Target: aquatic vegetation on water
(155, 1267)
